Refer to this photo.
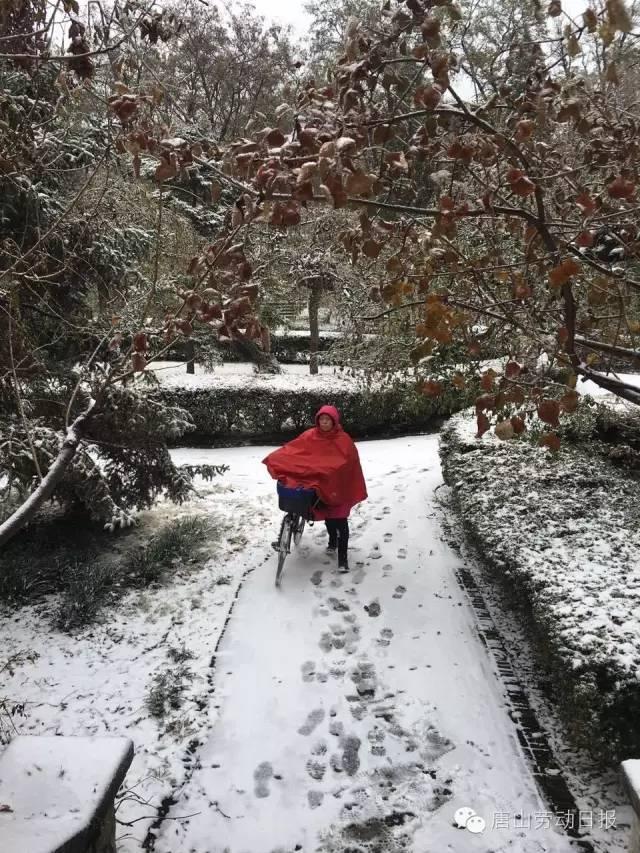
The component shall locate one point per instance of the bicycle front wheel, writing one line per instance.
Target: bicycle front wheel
(285, 546)
(297, 536)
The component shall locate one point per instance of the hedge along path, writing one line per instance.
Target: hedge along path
(224, 414)
(560, 533)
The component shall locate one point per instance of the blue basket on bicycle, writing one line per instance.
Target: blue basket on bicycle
(299, 500)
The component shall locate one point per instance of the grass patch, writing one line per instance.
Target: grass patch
(87, 590)
(178, 543)
(35, 562)
(90, 569)
(166, 691)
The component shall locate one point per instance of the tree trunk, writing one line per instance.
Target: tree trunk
(191, 356)
(27, 511)
(314, 334)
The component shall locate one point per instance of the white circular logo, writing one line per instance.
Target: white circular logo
(476, 824)
(462, 816)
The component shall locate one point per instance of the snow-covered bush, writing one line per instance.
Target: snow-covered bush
(226, 414)
(124, 464)
(560, 532)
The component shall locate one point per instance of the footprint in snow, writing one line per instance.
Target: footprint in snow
(336, 763)
(386, 510)
(340, 606)
(400, 591)
(373, 609)
(402, 553)
(316, 578)
(366, 688)
(336, 728)
(308, 669)
(376, 738)
(375, 553)
(388, 537)
(358, 576)
(386, 635)
(350, 759)
(433, 744)
(262, 774)
(314, 718)
(316, 769)
(326, 641)
(359, 712)
(315, 799)
(319, 748)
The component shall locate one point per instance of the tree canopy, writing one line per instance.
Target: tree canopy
(482, 157)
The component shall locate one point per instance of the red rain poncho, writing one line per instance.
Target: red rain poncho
(325, 461)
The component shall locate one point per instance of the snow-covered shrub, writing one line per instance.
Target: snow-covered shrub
(226, 415)
(560, 532)
(123, 465)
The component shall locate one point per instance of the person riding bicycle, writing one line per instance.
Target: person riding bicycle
(324, 458)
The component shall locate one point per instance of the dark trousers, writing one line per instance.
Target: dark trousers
(338, 529)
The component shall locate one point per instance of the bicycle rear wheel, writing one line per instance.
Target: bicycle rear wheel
(286, 530)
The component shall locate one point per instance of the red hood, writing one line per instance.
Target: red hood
(333, 413)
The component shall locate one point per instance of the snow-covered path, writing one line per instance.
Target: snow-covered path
(358, 712)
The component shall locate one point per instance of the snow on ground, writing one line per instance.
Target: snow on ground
(173, 374)
(338, 334)
(360, 709)
(241, 374)
(594, 390)
(342, 712)
(97, 681)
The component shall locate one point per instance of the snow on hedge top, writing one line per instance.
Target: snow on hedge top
(241, 375)
(566, 527)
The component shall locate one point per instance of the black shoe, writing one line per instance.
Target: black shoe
(343, 566)
(331, 549)
(276, 545)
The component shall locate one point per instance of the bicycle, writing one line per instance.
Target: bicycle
(297, 505)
